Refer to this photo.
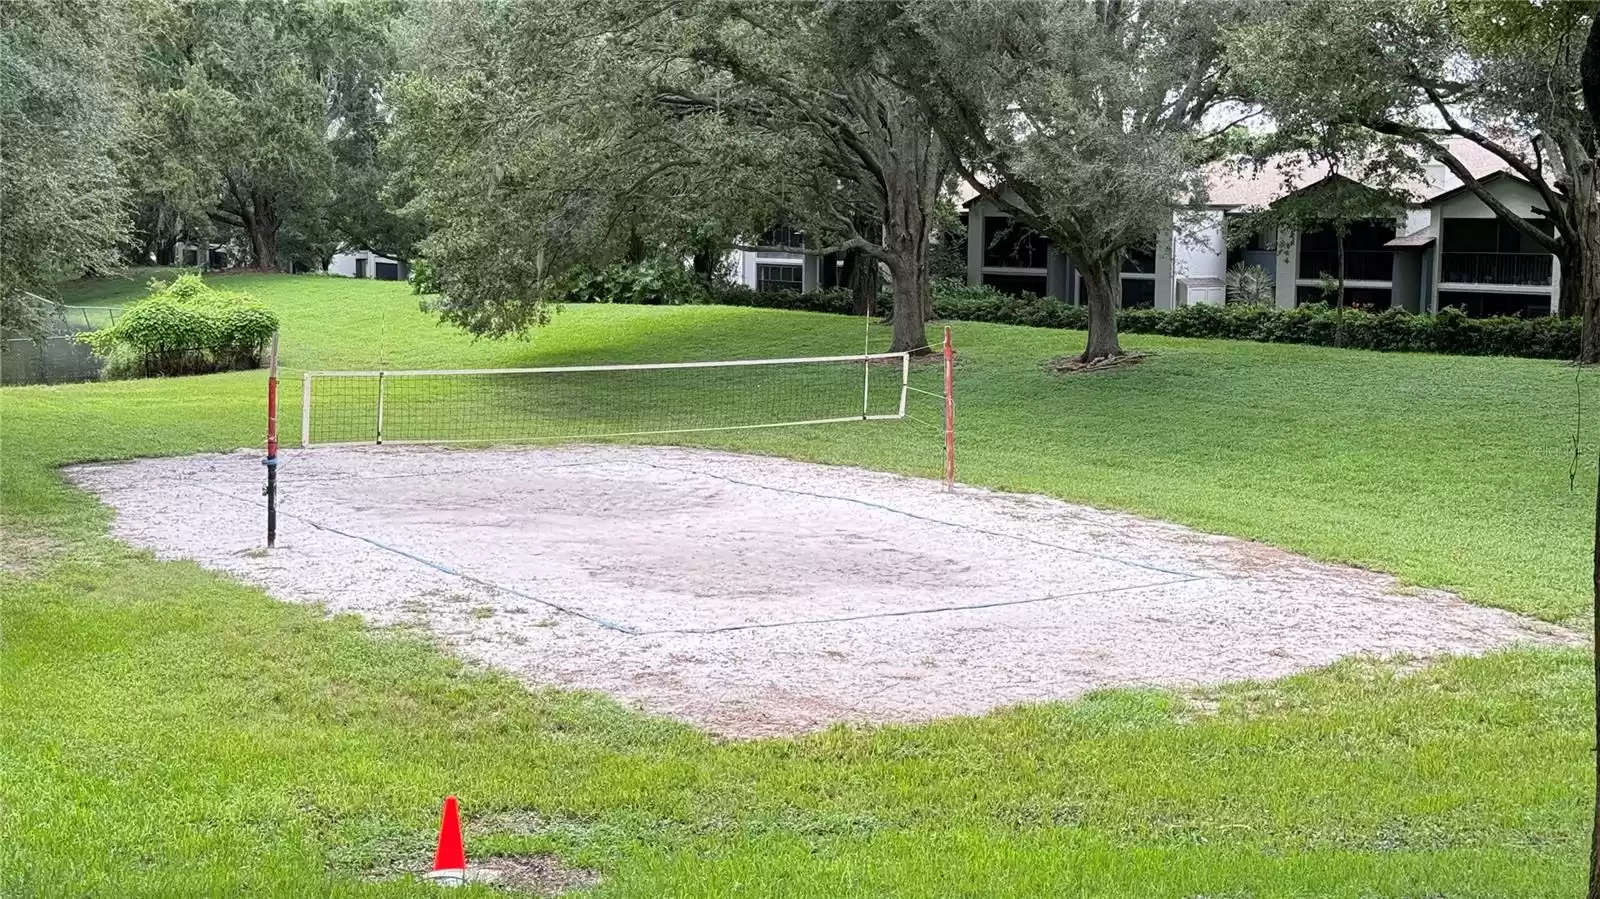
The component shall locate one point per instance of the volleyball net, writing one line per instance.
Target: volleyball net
(599, 401)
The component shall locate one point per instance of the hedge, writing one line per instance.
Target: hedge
(1450, 331)
(1394, 330)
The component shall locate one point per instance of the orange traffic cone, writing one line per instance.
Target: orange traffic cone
(450, 860)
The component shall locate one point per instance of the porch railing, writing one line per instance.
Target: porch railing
(1524, 269)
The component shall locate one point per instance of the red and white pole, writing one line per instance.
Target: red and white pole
(272, 444)
(949, 411)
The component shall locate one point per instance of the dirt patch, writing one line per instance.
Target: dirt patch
(1074, 365)
(758, 596)
(534, 875)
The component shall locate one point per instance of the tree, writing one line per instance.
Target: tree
(876, 166)
(624, 127)
(63, 205)
(242, 107)
(1249, 285)
(1087, 122)
(1505, 77)
(538, 148)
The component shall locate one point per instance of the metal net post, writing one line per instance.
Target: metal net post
(271, 461)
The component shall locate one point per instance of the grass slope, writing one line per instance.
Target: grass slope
(169, 732)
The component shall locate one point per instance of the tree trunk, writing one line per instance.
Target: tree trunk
(1104, 286)
(702, 266)
(1580, 271)
(1338, 309)
(861, 276)
(635, 251)
(263, 248)
(907, 248)
(905, 244)
(261, 226)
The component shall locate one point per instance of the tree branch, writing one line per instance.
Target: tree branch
(1459, 169)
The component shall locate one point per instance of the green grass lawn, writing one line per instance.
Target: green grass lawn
(170, 732)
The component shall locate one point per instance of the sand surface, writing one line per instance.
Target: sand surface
(756, 596)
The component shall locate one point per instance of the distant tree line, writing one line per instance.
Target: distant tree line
(513, 143)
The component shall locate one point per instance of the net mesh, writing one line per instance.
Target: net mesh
(553, 404)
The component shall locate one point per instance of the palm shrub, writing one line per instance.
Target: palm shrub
(1249, 285)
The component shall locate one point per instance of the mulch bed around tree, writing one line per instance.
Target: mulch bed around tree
(1073, 365)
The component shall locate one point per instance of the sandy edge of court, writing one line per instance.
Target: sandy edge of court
(1226, 610)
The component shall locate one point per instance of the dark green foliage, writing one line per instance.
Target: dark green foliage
(185, 327)
(1450, 331)
(955, 300)
(423, 277)
(836, 300)
(654, 283)
(666, 283)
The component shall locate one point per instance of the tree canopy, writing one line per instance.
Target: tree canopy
(1505, 78)
(62, 119)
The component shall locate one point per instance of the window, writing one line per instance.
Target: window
(1482, 305)
(1462, 235)
(1247, 246)
(1008, 244)
(773, 278)
(1139, 262)
(1367, 299)
(781, 236)
(1015, 285)
(1138, 293)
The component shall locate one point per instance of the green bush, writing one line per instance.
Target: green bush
(837, 300)
(423, 277)
(184, 327)
(1450, 331)
(654, 283)
(1394, 330)
(955, 300)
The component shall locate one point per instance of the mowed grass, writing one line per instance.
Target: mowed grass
(170, 732)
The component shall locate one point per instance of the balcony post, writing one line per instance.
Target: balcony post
(1555, 285)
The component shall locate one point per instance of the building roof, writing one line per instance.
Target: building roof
(1461, 186)
(1241, 184)
(1418, 238)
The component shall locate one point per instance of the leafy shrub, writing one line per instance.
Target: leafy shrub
(1450, 331)
(184, 327)
(1393, 330)
(423, 277)
(955, 300)
(1248, 285)
(654, 283)
(837, 300)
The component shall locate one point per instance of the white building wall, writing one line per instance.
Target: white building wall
(742, 266)
(1517, 196)
(1200, 246)
(344, 264)
(1288, 263)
